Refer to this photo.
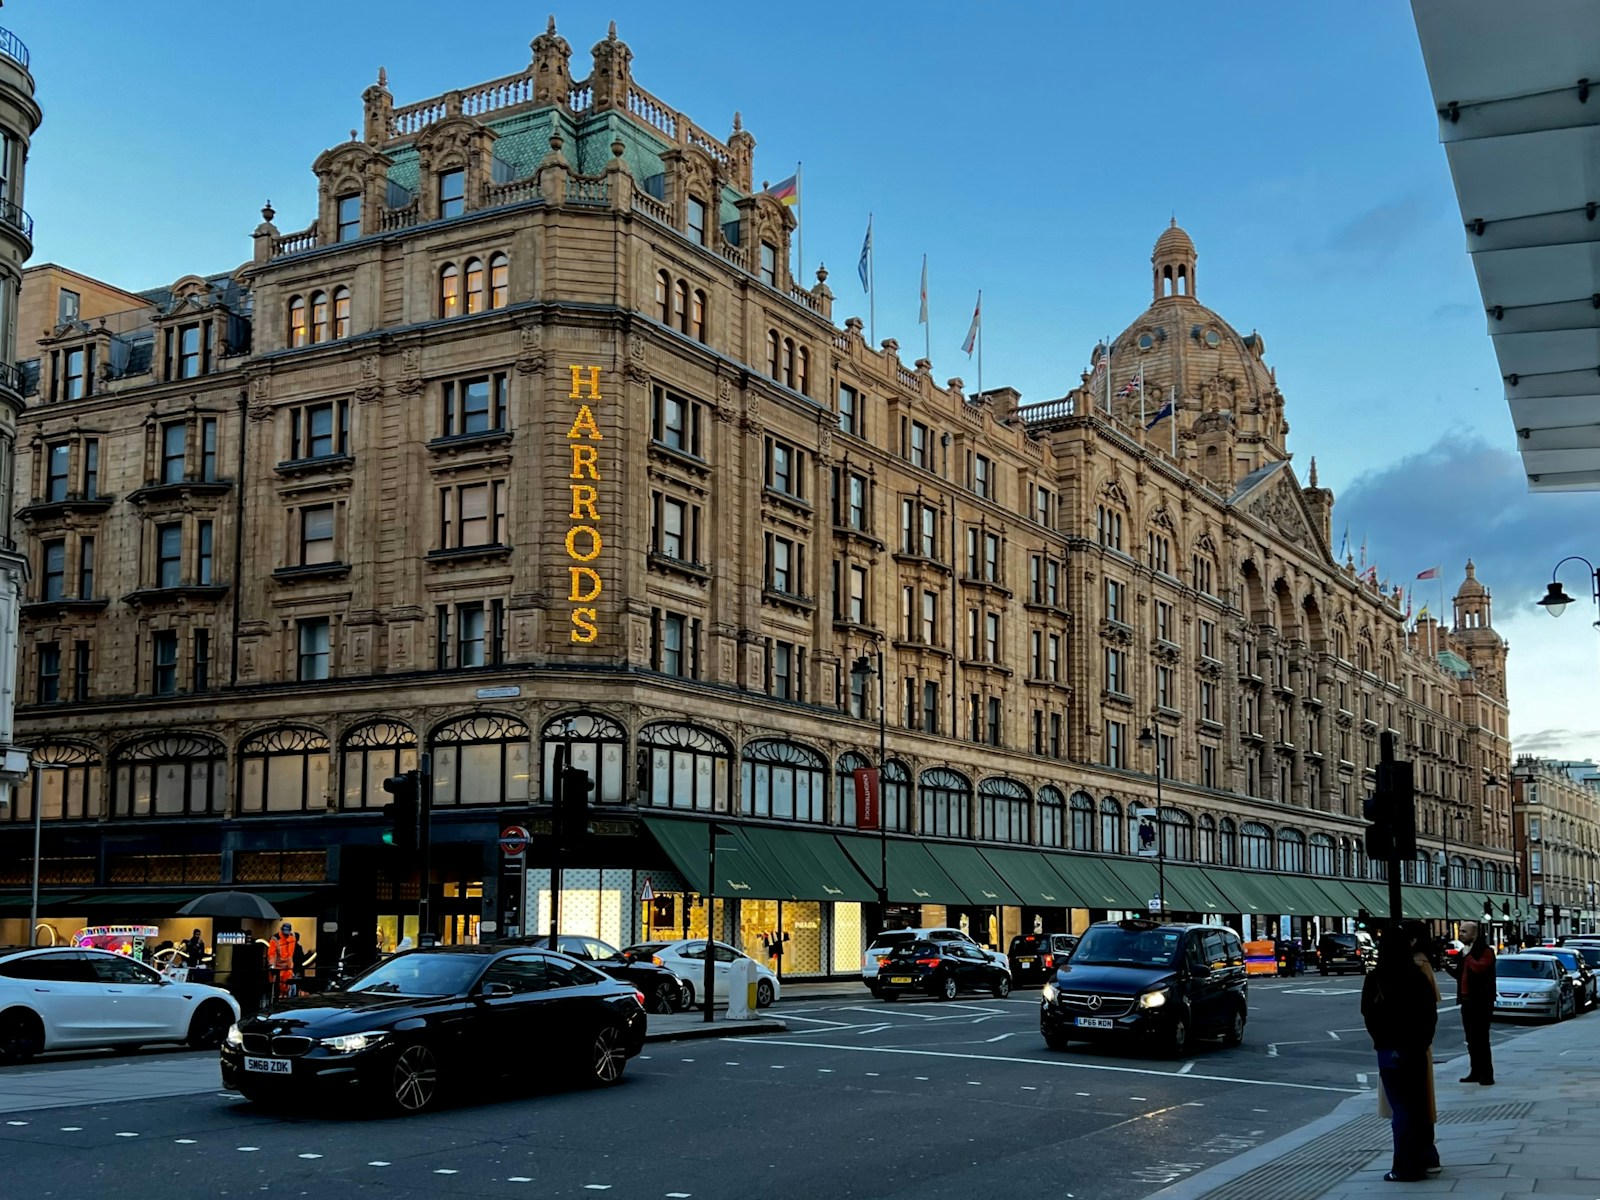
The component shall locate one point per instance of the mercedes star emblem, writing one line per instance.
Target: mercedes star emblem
(1095, 1002)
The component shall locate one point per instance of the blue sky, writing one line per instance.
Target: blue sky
(1031, 150)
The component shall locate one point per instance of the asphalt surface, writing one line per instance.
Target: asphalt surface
(951, 1101)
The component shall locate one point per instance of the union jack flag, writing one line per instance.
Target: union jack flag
(1131, 388)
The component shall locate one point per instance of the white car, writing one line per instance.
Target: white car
(889, 938)
(62, 998)
(687, 960)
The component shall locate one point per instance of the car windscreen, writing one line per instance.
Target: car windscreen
(1589, 954)
(1114, 946)
(1347, 940)
(1526, 968)
(914, 950)
(1025, 943)
(884, 940)
(1565, 957)
(418, 974)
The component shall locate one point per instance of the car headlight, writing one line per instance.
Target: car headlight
(1153, 999)
(235, 1037)
(1051, 992)
(350, 1043)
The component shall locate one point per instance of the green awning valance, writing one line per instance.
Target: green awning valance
(973, 875)
(1031, 878)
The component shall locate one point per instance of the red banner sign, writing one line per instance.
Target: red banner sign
(868, 798)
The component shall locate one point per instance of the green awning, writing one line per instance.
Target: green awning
(812, 861)
(743, 872)
(1302, 895)
(914, 878)
(1422, 903)
(1031, 878)
(973, 875)
(20, 902)
(1244, 890)
(1374, 897)
(1199, 894)
(1093, 880)
(1342, 900)
(1138, 877)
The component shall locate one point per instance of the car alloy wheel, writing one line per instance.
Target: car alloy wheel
(947, 989)
(1002, 988)
(666, 999)
(1234, 1034)
(764, 995)
(607, 1057)
(20, 1036)
(1178, 1037)
(415, 1081)
(209, 1026)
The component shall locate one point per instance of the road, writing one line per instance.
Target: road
(938, 1101)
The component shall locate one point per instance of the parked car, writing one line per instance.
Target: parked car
(662, 990)
(1585, 984)
(1533, 985)
(880, 946)
(1346, 952)
(1143, 980)
(687, 960)
(1033, 956)
(1588, 951)
(424, 1023)
(68, 999)
(940, 969)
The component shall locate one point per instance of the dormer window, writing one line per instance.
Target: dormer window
(348, 218)
(66, 306)
(75, 378)
(697, 221)
(188, 350)
(769, 264)
(453, 193)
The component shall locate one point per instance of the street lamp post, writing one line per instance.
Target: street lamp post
(558, 777)
(1147, 740)
(863, 669)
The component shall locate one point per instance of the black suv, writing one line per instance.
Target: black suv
(1033, 956)
(1346, 952)
(1141, 979)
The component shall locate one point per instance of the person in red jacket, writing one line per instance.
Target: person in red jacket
(1474, 970)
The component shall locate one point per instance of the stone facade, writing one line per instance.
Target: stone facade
(532, 422)
(1558, 845)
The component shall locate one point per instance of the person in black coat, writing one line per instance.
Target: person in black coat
(1400, 1013)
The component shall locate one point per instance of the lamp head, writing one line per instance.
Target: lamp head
(862, 666)
(1146, 738)
(1555, 599)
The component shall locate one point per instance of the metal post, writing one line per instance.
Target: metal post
(1161, 838)
(425, 843)
(563, 753)
(708, 978)
(883, 815)
(1396, 906)
(38, 832)
(1449, 816)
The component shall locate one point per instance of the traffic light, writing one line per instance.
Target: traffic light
(1392, 809)
(1363, 919)
(574, 799)
(404, 816)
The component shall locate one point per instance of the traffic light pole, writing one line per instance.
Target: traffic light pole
(563, 756)
(425, 844)
(1386, 763)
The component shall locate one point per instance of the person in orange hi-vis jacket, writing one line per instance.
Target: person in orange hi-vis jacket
(280, 960)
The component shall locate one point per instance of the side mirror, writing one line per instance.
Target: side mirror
(493, 991)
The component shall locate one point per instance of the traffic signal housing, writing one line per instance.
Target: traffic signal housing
(1392, 810)
(573, 801)
(404, 816)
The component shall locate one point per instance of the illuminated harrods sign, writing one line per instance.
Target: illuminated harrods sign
(584, 543)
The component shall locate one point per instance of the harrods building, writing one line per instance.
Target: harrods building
(530, 439)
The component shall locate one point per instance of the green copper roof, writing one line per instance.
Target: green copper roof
(1455, 664)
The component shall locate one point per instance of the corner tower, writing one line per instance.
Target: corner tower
(1474, 633)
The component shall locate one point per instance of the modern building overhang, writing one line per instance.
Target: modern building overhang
(1520, 124)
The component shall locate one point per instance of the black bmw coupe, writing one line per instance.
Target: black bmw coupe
(426, 1023)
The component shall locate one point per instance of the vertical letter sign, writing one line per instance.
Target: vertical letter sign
(584, 542)
(867, 797)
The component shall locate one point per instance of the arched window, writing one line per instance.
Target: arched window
(1051, 810)
(788, 362)
(663, 300)
(844, 787)
(1082, 834)
(341, 312)
(1003, 811)
(284, 770)
(802, 370)
(372, 753)
(772, 353)
(1321, 854)
(896, 797)
(173, 774)
(1255, 845)
(481, 760)
(1475, 873)
(1227, 843)
(450, 291)
(784, 780)
(595, 743)
(1422, 869)
(680, 306)
(683, 766)
(299, 330)
(946, 804)
(319, 317)
(1458, 871)
(499, 281)
(66, 780)
(1292, 851)
(1358, 859)
(697, 316)
(475, 292)
(1177, 834)
(1110, 826)
(1206, 840)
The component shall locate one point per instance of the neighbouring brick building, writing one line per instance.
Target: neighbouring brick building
(530, 439)
(1557, 814)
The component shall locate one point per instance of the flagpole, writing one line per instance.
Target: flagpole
(1172, 396)
(1141, 395)
(1108, 377)
(872, 285)
(799, 225)
(980, 343)
(927, 320)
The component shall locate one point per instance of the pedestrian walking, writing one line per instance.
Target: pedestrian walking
(1474, 969)
(194, 949)
(1400, 1014)
(280, 960)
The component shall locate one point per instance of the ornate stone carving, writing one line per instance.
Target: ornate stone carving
(1282, 509)
(530, 350)
(410, 382)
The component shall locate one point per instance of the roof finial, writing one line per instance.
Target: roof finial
(1313, 470)
(550, 27)
(738, 121)
(267, 212)
(612, 31)
(1174, 223)
(383, 77)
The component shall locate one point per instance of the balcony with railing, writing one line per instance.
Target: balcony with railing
(13, 48)
(11, 378)
(12, 214)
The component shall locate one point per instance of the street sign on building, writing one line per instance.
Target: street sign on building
(513, 840)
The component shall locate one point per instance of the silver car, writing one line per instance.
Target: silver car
(1533, 985)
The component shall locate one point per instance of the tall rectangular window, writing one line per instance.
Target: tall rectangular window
(1114, 607)
(471, 636)
(201, 673)
(348, 218)
(66, 302)
(1116, 739)
(91, 468)
(48, 690)
(783, 468)
(1164, 695)
(475, 405)
(169, 555)
(930, 706)
(1052, 658)
(857, 611)
(452, 193)
(473, 514)
(164, 662)
(675, 422)
(994, 721)
(86, 568)
(1208, 766)
(670, 657)
(697, 220)
(991, 637)
(319, 430)
(313, 649)
(75, 379)
(670, 531)
(189, 366)
(80, 671)
(1116, 671)
(917, 451)
(174, 445)
(1055, 735)
(1163, 620)
(203, 561)
(54, 581)
(208, 449)
(981, 476)
(316, 535)
(781, 670)
(930, 618)
(769, 264)
(849, 410)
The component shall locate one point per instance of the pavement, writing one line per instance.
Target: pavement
(1533, 1133)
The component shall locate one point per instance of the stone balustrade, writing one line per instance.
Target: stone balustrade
(647, 204)
(293, 243)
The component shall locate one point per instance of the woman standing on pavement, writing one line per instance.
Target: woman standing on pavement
(1398, 1007)
(1475, 984)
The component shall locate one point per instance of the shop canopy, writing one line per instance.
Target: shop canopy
(973, 875)
(1094, 880)
(914, 877)
(1031, 878)
(1189, 889)
(813, 861)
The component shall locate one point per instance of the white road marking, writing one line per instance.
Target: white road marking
(999, 1038)
(379, 1163)
(777, 1066)
(1334, 1034)
(16, 1122)
(920, 1078)
(1186, 1068)
(445, 1171)
(311, 1156)
(597, 1187)
(677, 1196)
(1361, 1078)
(72, 1129)
(1056, 1063)
(1026, 1088)
(247, 1149)
(1260, 1110)
(730, 1064)
(824, 1070)
(519, 1179)
(127, 1135)
(1139, 1098)
(686, 1060)
(816, 1020)
(1083, 1093)
(184, 1141)
(866, 1029)
(973, 1083)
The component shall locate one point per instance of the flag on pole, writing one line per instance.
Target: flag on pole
(1363, 552)
(864, 267)
(786, 191)
(1161, 415)
(1430, 573)
(922, 315)
(1131, 388)
(1370, 575)
(1422, 613)
(1344, 545)
(972, 330)
(1101, 364)
(1407, 617)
